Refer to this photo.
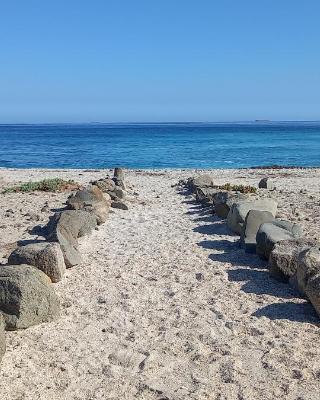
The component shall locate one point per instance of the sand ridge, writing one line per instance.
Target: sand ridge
(166, 304)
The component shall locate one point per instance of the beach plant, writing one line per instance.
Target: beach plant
(238, 188)
(45, 185)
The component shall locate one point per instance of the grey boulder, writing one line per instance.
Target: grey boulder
(284, 258)
(252, 223)
(45, 256)
(266, 183)
(240, 209)
(120, 205)
(26, 297)
(105, 185)
(273, 232)
(200, 181)
(65, 228)
(223, 201)
(205, 195)
(308, 266)
(118, 178)
(313, 292)
(93, 200)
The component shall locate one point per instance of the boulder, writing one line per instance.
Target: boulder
(26, 297)
(200, 181)
(45, 256)
(2, 337)
(205, 195)
(308, 266)
(91, 199)
(266, 183)
(105, 185)
(118, 178)
(65, 228)
(119, 193)
(313, 292)
(223, 201)
(273, 232)
(283, 260)
(240, 209)
(252, 223)
(120, 205)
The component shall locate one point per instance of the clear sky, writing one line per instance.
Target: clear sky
(159, 60)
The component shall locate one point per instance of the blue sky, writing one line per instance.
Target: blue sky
(168, 60)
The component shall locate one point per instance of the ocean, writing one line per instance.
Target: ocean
(189, 145)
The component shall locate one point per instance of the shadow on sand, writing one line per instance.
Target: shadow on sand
(298, 312)
(249, 268)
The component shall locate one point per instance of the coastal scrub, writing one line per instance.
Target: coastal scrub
(45, 185)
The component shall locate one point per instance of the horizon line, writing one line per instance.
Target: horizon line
(256, 121)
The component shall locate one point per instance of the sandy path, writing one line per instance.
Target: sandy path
(166, 306)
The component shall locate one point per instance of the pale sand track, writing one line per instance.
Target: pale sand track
(139, 322)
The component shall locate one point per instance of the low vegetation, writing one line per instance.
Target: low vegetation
(45, 185)
(238, 188)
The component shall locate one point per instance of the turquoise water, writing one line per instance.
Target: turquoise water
(159, 145)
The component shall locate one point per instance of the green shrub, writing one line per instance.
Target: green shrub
(238, 188)
(45, 185)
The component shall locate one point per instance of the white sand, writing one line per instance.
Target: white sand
(139, 322)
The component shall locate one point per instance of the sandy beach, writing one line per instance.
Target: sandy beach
(166, 305)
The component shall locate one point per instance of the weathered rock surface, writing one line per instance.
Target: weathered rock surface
(308, 266)
(205, 195)
(120, 205)
(200, 181)
(65, 228)
(223, 201)
(283, 260)
(252, 223)
(240, 209)
(2, 337)
(26, 297)
(313, 292)
(45, 256)
(105, 185)
(266, 183)
(93, 200)
(271, 233)
(118, 178)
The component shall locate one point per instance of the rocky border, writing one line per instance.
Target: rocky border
(27, 297)
(292, 257)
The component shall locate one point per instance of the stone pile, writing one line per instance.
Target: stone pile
(115, 188)
(291, 257)
(26, 293)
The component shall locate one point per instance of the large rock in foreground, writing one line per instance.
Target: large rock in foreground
(239, 211)
(284, 258)
(45, 256)
(2, 337)
(93, 200)
(252, 223)
(65, 228)
(26, 297)
(271, 233)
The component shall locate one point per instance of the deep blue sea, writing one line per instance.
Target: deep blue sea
(189, 145)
